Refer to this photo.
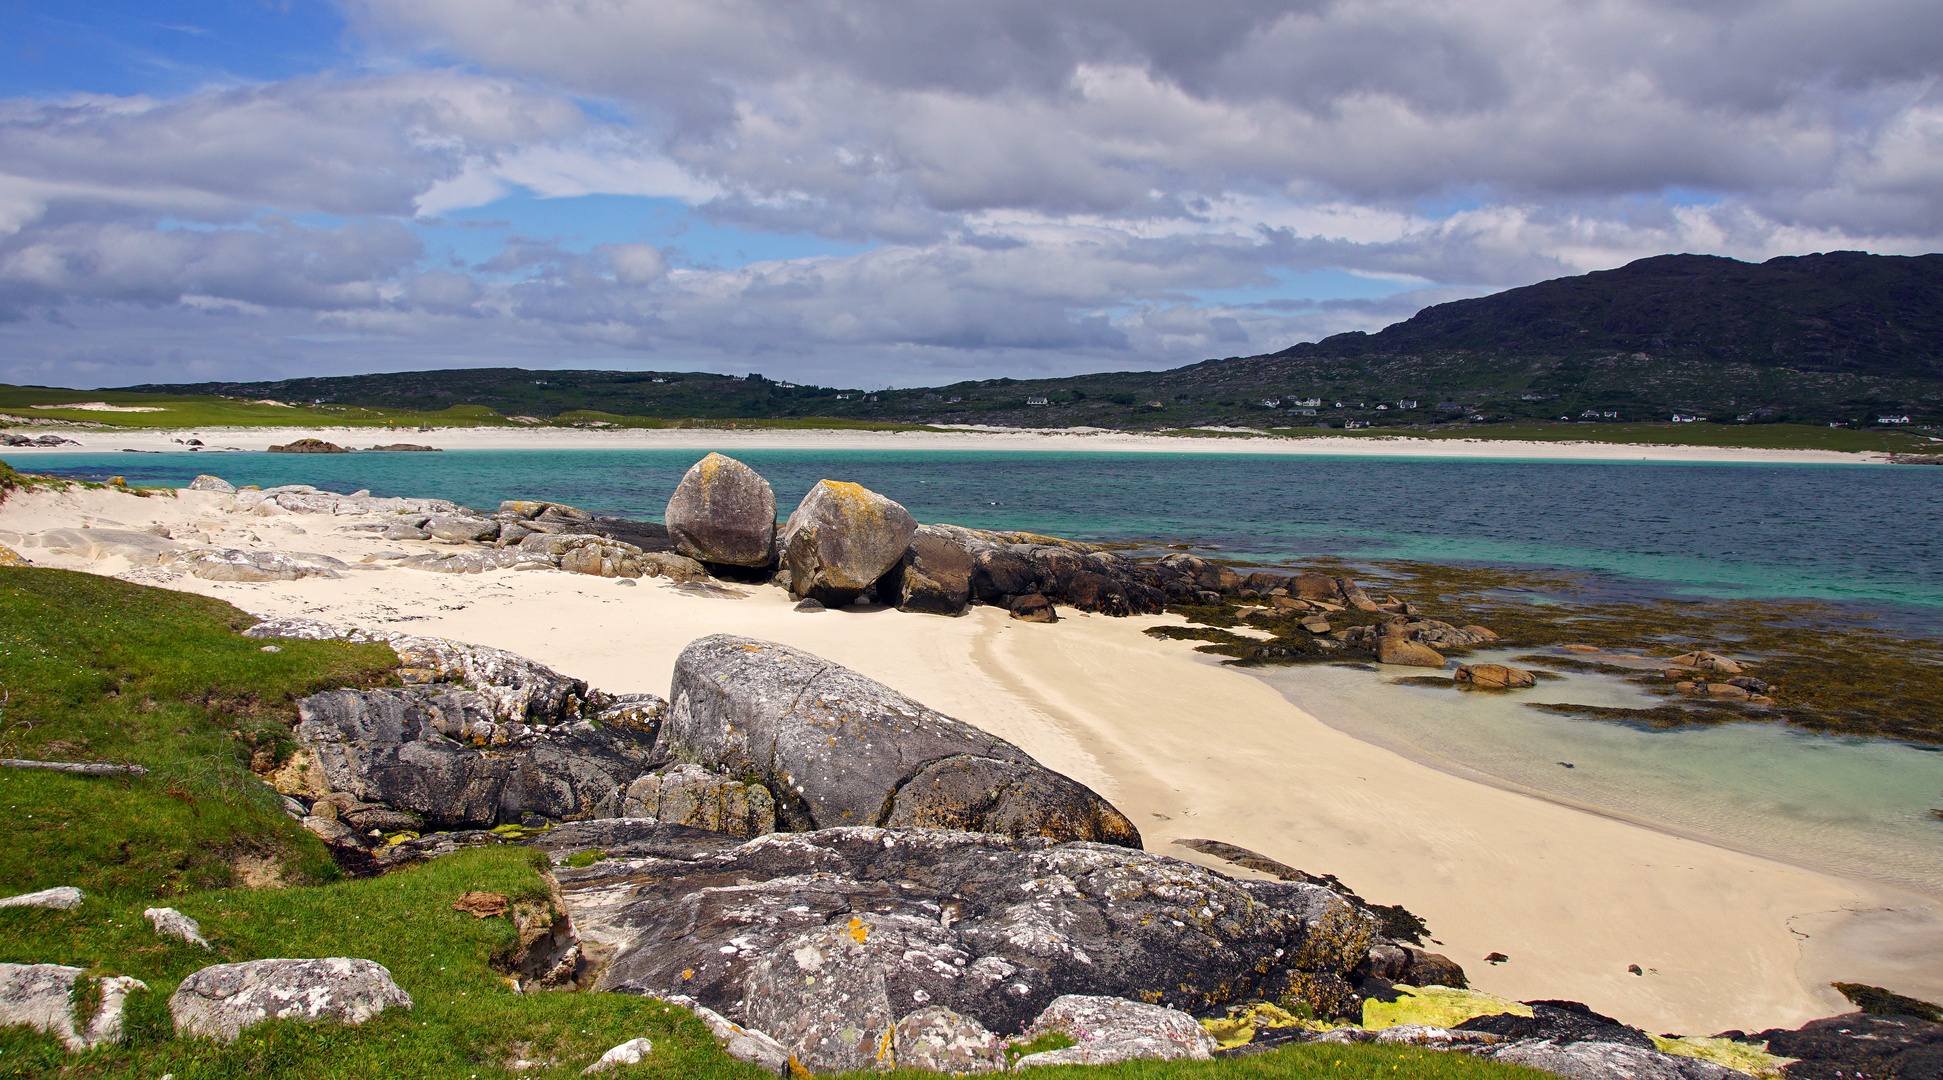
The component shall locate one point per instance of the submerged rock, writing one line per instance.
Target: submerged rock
(1493, 677)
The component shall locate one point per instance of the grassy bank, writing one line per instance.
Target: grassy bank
(1748, 436)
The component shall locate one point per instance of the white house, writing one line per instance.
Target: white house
(1892, 419)
(1037, 401)
(1310, 403)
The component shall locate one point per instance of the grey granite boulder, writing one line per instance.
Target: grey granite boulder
(723, 512)
(1108, 1030)
(691, 795)
(1607, 1061)
(938, 1040)
(233, 564)
(41, 996)
(836, 748)
(222, 1001)
(889, 921)
(841, 538)
(450, 758)
(460, 528)
(743, 1044)
(519, 689)
(206, 482)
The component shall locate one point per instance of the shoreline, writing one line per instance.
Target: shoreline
(702, 440)
(1184, 746)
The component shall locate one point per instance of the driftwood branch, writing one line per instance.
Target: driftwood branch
(85, 768)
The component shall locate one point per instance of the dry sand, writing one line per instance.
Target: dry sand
(1187, 749)
(1076, 439)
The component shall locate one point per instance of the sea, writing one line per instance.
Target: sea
(1862, 538)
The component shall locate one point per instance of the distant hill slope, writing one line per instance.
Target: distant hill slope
(1837, 337)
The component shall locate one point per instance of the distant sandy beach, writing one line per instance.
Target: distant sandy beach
(702, 440)
(1185, 747)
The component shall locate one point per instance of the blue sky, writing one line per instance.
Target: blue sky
(917, 193)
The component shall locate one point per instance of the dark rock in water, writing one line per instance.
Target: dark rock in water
(934, 576)
(723, 512)
(1859, 1046)
(405, 448)
(1033, 608)
(1560, 1022)
(836, 748)
(841, 538)
(309, 446)
(445, 757)
(990, 927)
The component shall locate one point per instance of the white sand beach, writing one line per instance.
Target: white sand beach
(1185, 747)
(1065, 440)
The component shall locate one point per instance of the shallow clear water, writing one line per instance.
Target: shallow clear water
(1854, 806)
(1867, 536)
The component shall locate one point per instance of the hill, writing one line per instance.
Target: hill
(1842, 337)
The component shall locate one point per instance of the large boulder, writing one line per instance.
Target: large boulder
(518, 689)
(933, 577)
(836, 748)
(826, 939)
(841, 539)
(1109, 1030)
(450, 758)
(723, 512)
(222, 1001)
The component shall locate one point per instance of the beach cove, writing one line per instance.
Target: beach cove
(1189, 750)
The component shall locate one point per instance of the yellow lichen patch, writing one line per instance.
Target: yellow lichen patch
(1436, 1006)
(1727, 1052)
(857, 930)
(10, 557)
(1243, 1021)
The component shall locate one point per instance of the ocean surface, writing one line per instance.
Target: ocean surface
(1863, 537)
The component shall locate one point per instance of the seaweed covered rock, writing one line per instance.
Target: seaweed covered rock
(836, 748)
(887, 921)
(841, 538)
(723, 512)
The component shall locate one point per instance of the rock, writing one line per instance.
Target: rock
(1315, 587)
(405, 448)
(232, 564)
(1107, 1030)
(743, 1044)
(630, 1052)
(933, 577)
(1494, 677)
(1315, 624)
(691, 795)
(836, 748)
(1751, 685)
(673, 567)
(400, 531)
(1858, 1044)
(1396, 650)
(517, 688)
(723, 512)
(809, 606)
(445, 757)
(1480, 633)
(10, 557)
(938, 1040)
(169, 922)
(448, 527)
(1413, 967)
(1727, 690)
(1707, 661)
(889, 921)
(841, 538)
(472, 562)
(41, 996)
(220, 1002)
(1033, 608)
(139, 548)
(1607, 1061)
(59, 898)
(206, 482)
(1557, 1022)
(309, 446)
(1434, 1038)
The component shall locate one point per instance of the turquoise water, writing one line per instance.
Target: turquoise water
(1869, 534)
(1862, 536)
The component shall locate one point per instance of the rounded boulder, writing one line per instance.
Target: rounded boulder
(841, 539)
(724, 512)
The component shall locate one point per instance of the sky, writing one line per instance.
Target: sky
(902, 192)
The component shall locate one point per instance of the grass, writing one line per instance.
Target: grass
(1747, 436)
(178, 411)
(94, 668)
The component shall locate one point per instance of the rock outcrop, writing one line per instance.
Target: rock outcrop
(723, 512)
(841, 538)
(223, 1001)
(836, 748)
(827, 940)
(42, 997)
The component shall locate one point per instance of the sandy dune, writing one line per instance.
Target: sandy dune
(1187, 749)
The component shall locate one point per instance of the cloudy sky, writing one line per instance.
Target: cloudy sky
(902, 192)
